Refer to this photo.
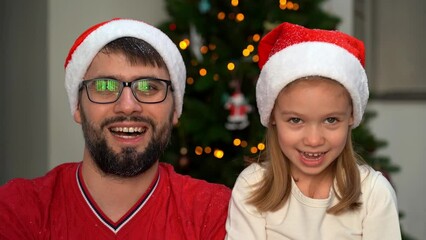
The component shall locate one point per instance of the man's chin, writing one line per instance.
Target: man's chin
(118, 150)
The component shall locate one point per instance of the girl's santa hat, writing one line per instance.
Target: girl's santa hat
(95, 38)
(290, 52)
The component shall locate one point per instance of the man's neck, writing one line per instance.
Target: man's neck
(114, 195)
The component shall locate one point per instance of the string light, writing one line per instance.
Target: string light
(256, 37)
(255, 58)
(221, 16)
(240, 17)
(184, 44)
(204, 49)
(237, 142)
(231, 66)
(296, 7)
(246, 52)
(216, 77)
(234, 3)
(218, 153)
(198, 150)
(208, 150)
(202, 72)
(243, 144)
(261, 146)
(190, 81)
(249, 49)
(253, 150)
(288, 5)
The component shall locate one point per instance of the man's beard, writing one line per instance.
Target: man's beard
(129, 162)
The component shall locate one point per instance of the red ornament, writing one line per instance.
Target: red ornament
(172, 26)
(238, 110)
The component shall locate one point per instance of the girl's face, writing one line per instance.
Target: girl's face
(313, 117)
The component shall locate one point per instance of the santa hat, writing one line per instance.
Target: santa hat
(290, 52)
(95, 38)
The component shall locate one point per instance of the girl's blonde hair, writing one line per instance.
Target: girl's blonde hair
(273, 191)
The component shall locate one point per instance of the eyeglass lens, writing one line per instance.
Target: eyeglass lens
(105, 90)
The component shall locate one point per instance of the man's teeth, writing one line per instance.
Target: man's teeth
(129, 129)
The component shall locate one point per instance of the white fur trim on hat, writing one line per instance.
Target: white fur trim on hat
(79, 60)
(311, 59)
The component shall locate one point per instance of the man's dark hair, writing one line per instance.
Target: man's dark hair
(136, 50)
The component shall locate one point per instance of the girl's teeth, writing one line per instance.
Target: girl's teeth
(312, 155)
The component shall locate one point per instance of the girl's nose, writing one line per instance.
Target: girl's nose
(314, 136)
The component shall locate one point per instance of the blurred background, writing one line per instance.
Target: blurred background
(218, 40)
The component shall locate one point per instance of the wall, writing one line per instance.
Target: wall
(23, 91)
(344, 10)
(402, 125)
(397, 57)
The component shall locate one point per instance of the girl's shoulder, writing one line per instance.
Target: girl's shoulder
(373, 182)
(369, 175)
(252, 173)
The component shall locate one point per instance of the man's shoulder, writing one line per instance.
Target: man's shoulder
(22, 187)
(203, 203)
(197, 186)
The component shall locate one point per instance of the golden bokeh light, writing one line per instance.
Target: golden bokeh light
(230, 66)
(218, 153)
(239, 17)
(202, 72)
(198, 150)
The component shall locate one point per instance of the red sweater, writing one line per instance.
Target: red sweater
(58, 206)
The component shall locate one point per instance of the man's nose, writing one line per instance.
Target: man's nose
(127, 103)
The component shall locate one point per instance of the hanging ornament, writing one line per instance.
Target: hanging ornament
(204, 6)
(172, 26)
(196, 42)
(183, 161)
(238, 110)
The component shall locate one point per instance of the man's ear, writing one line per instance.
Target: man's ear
(175, 118)
(77, 114)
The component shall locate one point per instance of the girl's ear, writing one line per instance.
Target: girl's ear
(351, 119)
(272, 121)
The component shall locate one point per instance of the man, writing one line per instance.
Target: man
(125, 82)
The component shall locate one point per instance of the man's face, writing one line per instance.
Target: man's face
(125, 138)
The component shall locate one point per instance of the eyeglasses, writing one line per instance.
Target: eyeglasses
(108, 90)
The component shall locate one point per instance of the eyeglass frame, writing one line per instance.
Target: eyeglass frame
(127, 84)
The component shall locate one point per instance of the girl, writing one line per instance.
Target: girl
(309, 183)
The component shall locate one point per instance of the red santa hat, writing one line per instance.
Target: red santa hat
(90, 42)
(290, 52)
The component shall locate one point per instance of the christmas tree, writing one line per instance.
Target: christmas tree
(220, 127)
